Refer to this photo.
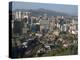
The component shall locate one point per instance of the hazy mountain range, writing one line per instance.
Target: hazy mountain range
(41, 11)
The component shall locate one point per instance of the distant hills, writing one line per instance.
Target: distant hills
(41, 11)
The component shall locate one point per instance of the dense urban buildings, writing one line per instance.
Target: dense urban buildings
(43, 35)
(39, 33)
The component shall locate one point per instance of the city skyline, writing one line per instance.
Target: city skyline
(41, 32)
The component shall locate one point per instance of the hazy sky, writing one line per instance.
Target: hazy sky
(70, 9)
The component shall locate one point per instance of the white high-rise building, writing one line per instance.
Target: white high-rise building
(44, 24)
(18, 15)
(12, 24)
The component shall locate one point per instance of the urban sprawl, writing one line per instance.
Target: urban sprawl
(39, 36)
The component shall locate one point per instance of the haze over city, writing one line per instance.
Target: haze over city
(69, 9)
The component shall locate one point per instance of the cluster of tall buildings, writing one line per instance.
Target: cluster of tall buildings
(25, 22)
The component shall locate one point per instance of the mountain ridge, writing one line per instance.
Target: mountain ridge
(41, 11)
